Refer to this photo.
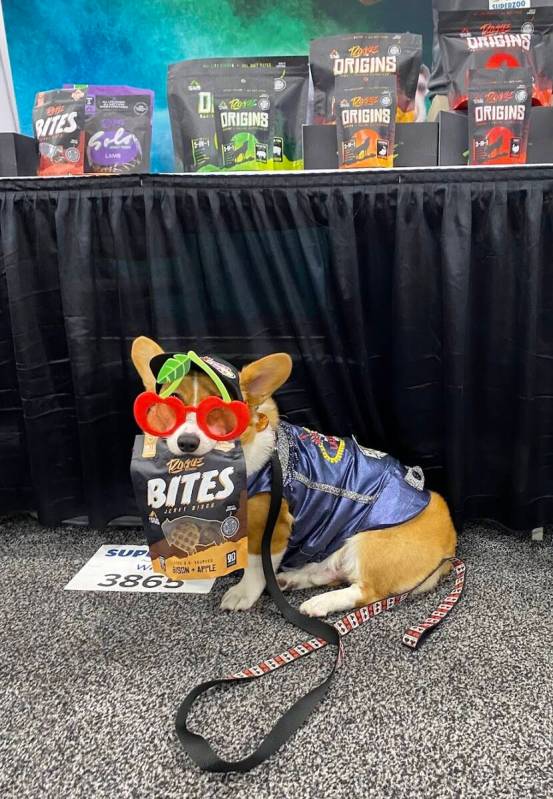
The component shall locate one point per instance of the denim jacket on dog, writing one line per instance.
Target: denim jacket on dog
(335, 488)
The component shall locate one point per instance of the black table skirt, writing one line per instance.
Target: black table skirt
(417, 306)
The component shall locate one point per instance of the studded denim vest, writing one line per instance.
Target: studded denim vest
(336, 488)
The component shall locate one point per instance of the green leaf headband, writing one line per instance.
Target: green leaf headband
(177, 367)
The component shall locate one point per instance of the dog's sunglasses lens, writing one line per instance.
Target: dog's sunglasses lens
(221, 421)
(161, 418)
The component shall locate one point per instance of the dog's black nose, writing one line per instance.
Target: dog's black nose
(188, 442)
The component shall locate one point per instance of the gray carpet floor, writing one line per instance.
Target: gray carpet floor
(91, 681)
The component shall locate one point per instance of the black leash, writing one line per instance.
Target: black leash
(196, 745)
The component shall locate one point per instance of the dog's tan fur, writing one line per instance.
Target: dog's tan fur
(375, 564)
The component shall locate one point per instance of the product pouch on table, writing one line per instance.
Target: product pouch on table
(118, 126)
(59, 126)
(244, 123)
(358, 55)
(500, 101)
(366, 121)
(194, 508)
(438, 80)
(190, 88)
(496, 39)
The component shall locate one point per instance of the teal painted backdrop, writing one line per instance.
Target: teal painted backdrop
(52, 42)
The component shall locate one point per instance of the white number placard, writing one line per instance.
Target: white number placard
(127, 567)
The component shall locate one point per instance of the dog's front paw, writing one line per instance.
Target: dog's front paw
(318, 606)
(287, 581)
(294, 580)
(333, 601)
(240, 597)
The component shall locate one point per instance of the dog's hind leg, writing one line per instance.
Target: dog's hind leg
(333, 601)
(357, 595)
(343, 570)
(434, 579)
(383, 563)
(328, 572)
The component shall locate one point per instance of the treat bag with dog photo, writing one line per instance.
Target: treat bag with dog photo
(193, 508)
(366, 121)
(244, 122)
(500, 101)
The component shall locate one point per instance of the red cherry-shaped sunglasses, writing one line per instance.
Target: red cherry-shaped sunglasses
(220, 418)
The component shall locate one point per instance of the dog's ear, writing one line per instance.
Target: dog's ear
(260, 379)
(142, 352)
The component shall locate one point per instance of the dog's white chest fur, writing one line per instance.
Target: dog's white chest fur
(258, 452)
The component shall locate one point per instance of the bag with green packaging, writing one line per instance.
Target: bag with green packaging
(244, 123)
(190, 88)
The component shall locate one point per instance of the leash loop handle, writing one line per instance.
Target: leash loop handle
(195, 744)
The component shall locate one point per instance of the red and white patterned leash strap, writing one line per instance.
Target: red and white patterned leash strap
(411, 637)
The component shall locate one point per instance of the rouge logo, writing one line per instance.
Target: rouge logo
(358, 101)
(498, 97)
(177, 465)
(357, 52)
(491, 30)
(237, 104)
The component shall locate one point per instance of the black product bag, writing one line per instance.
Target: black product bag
(190, 88)
(244, 122)
(194, 509)
(59, 126)
(495, 40)
(500, 102)
(358, 55)
(366, 121)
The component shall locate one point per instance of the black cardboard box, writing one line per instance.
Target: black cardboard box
(18, 155)
(320, 147)
(454, 137)
(540, 140)
(453, 140)
(416, 145)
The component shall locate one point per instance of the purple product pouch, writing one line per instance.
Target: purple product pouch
(118, 128)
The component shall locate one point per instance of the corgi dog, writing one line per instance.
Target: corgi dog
(351, 519)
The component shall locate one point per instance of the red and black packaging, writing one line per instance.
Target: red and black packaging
(500, 101)
(358, 55)
(514, 38)
(366, 121)
(59, 125)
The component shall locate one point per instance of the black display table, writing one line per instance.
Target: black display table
(417, 305)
